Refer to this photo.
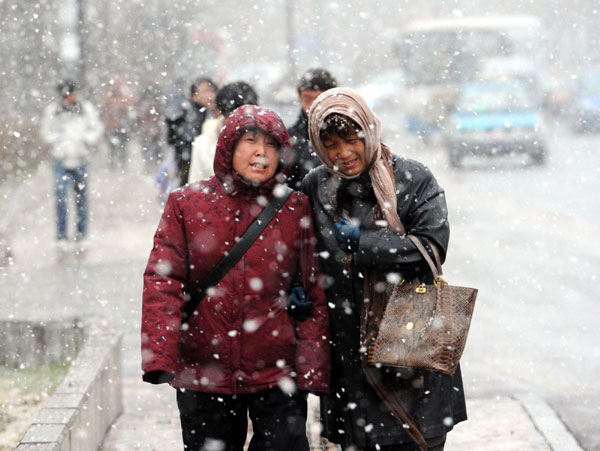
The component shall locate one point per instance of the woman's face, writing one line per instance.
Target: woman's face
(256, 156)
(205, 95)
(307, 98)
(347, 154)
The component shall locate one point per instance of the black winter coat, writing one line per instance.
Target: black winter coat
(352, 413)
(304, 157)
(184, 123)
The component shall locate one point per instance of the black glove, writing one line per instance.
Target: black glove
(158, 377)
(347, 235)
(299, 305)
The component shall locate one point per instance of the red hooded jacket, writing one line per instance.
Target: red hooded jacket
(241, 338)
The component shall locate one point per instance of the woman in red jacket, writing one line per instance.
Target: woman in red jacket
(241, 351)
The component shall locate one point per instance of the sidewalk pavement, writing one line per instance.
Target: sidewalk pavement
(106, 280)
(150, 422)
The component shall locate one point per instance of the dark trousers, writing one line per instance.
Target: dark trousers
(433, 444)
(117, 148)
(215, 421)
(183, 155)
(63, 179)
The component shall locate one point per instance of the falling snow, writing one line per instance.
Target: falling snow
(523, 225)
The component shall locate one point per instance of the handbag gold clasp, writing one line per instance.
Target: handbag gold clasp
(442, 281)
(421, 289)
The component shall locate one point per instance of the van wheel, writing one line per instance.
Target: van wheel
(455, 159)
(539, 157)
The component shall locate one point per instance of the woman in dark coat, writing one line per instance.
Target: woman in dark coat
(241, 353)
(360, 196)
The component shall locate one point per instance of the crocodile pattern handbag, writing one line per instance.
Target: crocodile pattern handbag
(424, 326)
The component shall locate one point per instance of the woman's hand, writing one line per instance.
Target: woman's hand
(347, 234)
(300, 305)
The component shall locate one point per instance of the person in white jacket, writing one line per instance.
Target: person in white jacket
(228, 98)
(70, 126)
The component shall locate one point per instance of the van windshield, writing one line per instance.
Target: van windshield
(493, 97)
(441, 57)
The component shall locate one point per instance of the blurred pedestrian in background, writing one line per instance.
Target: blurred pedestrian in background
(150, 128)
(117, 114)
(304, 158)
(361, 196)
(228, 98)
(70, 126)
(242, 353)
(185, 118)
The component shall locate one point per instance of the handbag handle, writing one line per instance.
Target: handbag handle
(436, 268)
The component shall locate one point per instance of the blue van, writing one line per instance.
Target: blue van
(585, 114)
(494, 118)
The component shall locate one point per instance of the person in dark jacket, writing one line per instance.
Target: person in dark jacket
(241, 351)
(311, 84)
(360, 197)
(185, 117)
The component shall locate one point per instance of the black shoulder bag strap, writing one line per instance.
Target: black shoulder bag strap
(235, 253)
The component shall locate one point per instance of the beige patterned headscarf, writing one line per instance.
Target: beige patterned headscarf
(378, 157)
